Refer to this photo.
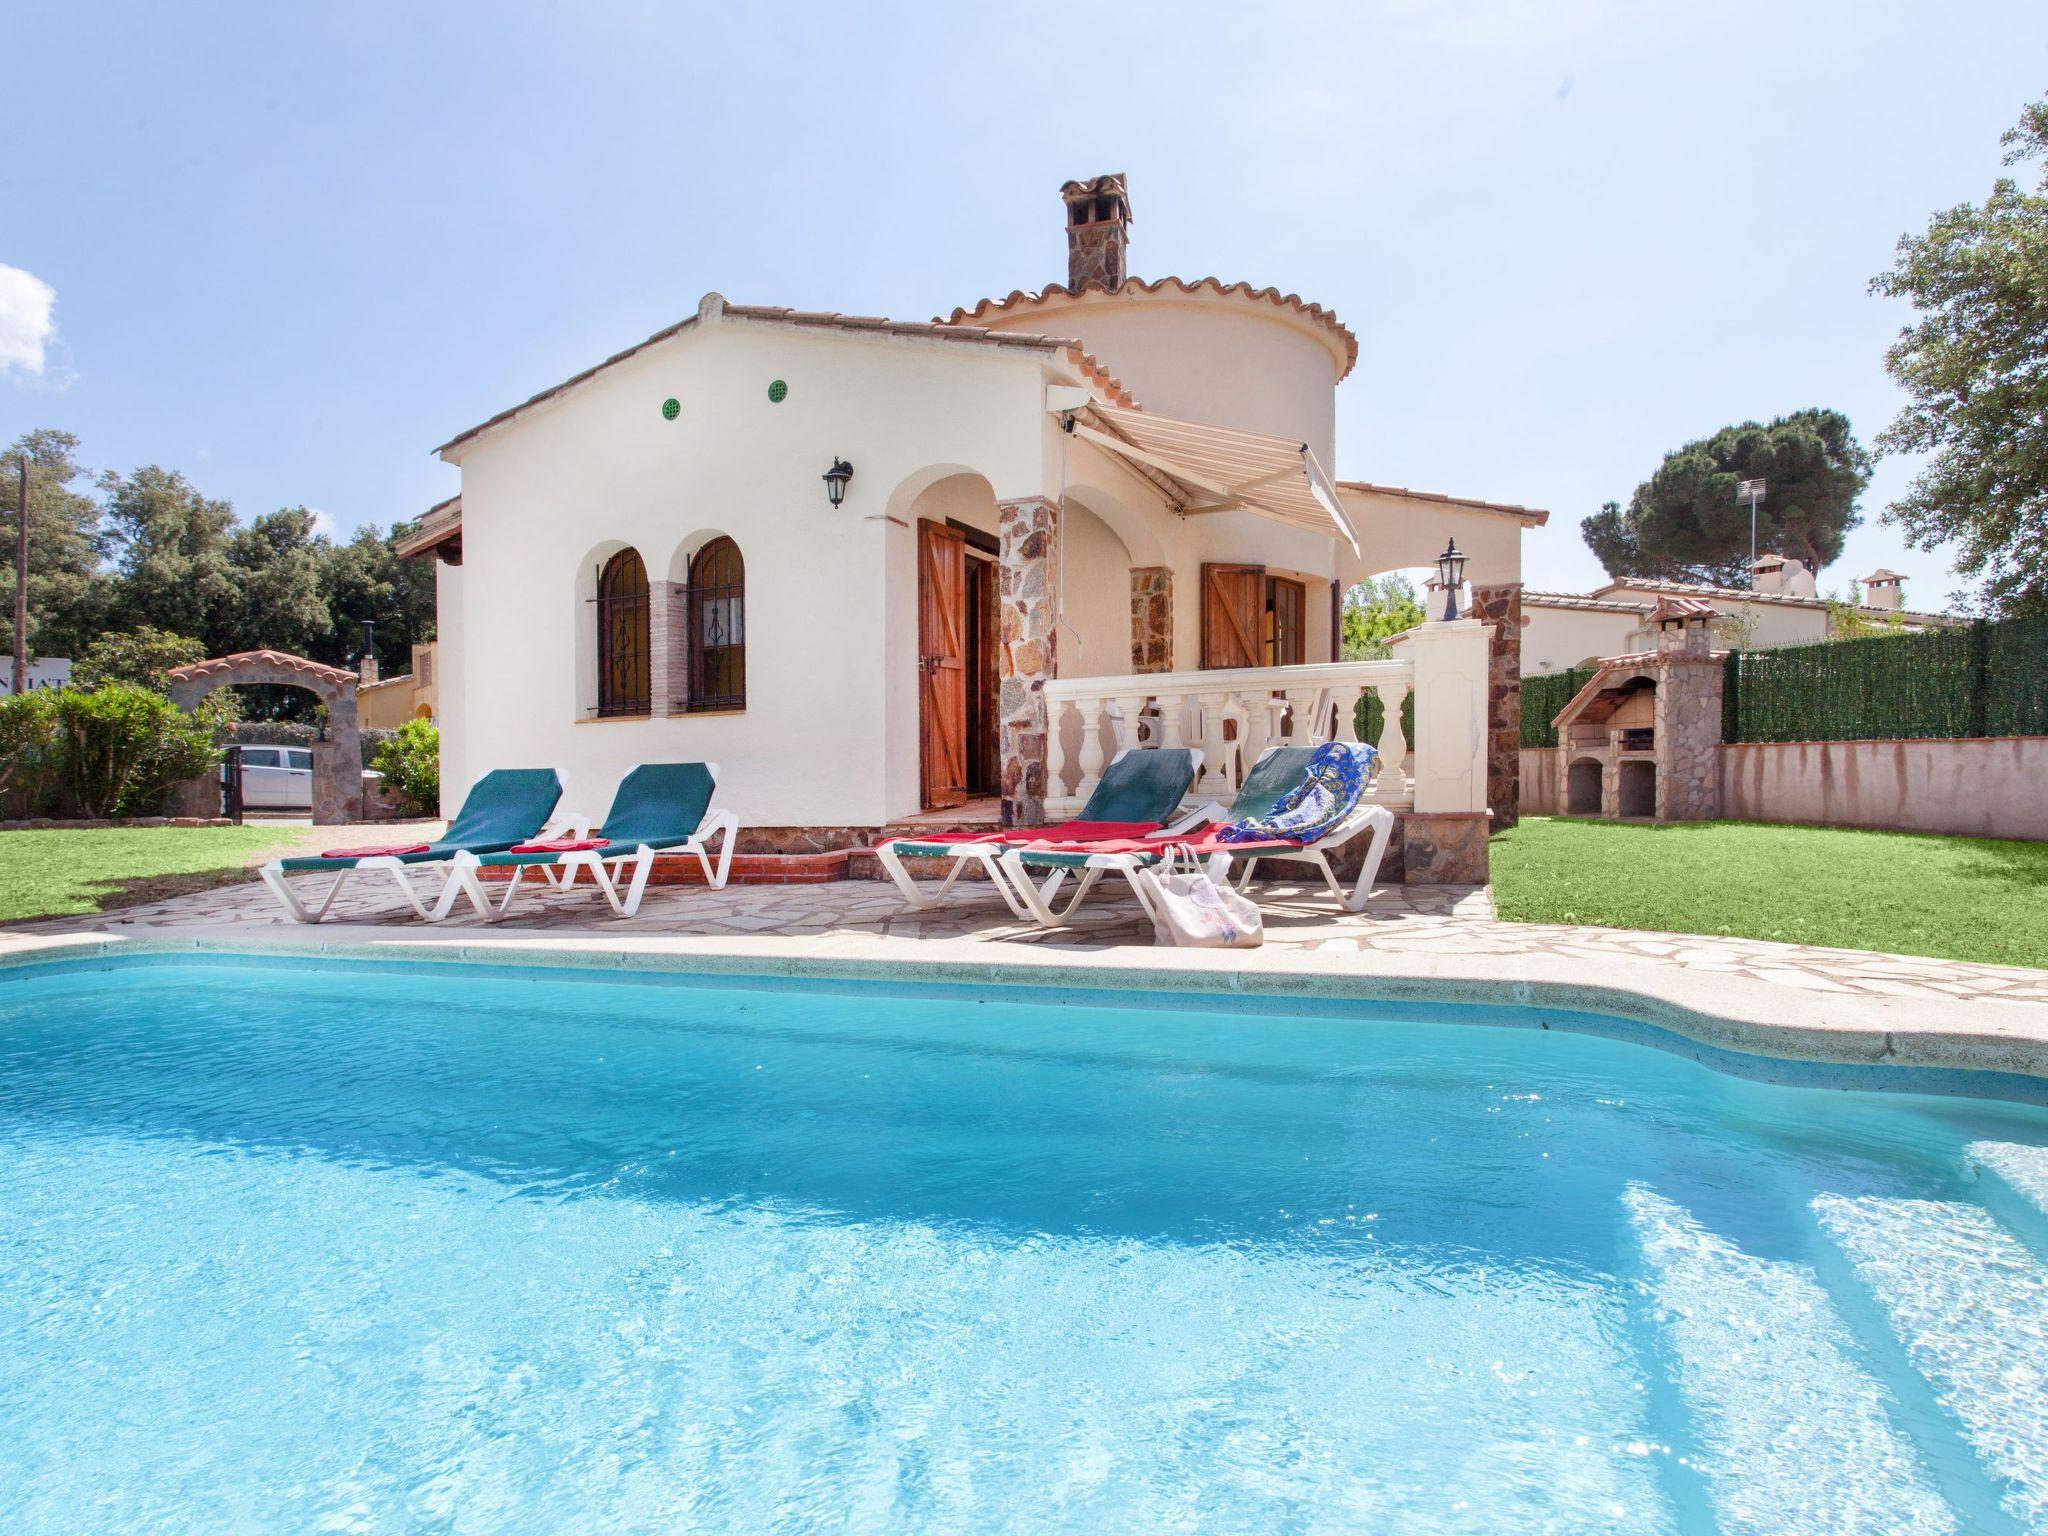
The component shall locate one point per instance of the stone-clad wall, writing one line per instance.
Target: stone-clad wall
(1501, 607)
(1688, 738)
(1151, 618)
(1027, 532)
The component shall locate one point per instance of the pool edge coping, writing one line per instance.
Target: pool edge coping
(1710, 1009)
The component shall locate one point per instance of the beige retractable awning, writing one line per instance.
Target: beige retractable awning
(1221, 469)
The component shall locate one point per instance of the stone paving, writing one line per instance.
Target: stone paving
(1423, 929)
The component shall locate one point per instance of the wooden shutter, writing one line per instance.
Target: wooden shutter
(942, 662)
(1233, 615)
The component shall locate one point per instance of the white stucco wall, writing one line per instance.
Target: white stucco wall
(1232, 360)
(1400, 532)
(829, 735)
(452, 682)
(1554, 639)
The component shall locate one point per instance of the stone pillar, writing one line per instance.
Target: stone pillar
(1501, 606)
(1151, 618)
(1443, 840)
(668, 648)
(1688, 737)
(1027, 532)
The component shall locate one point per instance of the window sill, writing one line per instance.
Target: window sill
(612, 719)
(705, 714)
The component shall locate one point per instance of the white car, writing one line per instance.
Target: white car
(275, 778)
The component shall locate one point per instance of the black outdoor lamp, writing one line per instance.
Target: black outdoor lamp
(836, 479)
(1450, 571)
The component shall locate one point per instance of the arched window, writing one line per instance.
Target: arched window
(622, 642)
(718, 627)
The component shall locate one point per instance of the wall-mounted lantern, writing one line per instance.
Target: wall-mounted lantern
(1450, 573)
(836, 480)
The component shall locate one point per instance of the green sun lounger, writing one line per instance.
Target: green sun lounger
(661, 810)
(506, 806)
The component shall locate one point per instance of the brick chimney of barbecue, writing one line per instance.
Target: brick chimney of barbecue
(1098, 231)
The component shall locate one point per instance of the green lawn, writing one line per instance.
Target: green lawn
(1960, 898)
(57, 871)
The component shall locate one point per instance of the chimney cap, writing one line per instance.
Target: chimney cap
(1880, 576)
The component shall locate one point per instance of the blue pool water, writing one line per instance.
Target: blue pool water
(289, 1247)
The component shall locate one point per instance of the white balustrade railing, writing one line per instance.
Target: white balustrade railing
(1233, 715)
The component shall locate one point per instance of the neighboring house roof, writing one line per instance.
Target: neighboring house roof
(437, 525)
(1777, 599)
(1587, 604)
(713, 306)
(1021, 299)
(1532, 517)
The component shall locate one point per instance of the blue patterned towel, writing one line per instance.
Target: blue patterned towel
(1330, 790)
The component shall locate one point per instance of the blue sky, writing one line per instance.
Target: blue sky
(291, 248)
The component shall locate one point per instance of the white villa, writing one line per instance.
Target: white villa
(875, 568)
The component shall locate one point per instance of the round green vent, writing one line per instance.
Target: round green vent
(671, 408)
(778, 391)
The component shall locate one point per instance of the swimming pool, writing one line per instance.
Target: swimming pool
(297, 1245)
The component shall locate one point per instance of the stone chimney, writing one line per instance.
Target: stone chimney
(1884, 589)
(1098, 231)
(1782, 576)
(367, 668)
(1684, 626)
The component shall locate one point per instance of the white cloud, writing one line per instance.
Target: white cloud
(323, 523)
(27, 321)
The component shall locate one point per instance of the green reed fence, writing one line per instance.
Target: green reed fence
(1543, 695)
(1981, 679)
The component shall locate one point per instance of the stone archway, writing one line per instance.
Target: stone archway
(337, 771)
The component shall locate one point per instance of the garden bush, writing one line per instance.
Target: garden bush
(122, 748)
(114, 750)
(411, 764)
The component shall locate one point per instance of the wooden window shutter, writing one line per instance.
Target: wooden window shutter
(1233, 615)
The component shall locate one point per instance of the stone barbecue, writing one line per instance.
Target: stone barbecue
(1639, 740)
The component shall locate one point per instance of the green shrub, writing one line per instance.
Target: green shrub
(411, 764)
(121, 748)
(30, 754)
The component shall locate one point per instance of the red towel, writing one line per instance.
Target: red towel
(563, 845)
(393, 851)
(1159, 845)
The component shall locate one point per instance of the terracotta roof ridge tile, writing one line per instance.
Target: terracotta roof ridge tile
(283, 661)
(1018, 298)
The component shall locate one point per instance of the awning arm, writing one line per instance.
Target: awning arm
(1326, 495)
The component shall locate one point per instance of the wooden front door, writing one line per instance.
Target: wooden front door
(942, 662)
(1233, 615)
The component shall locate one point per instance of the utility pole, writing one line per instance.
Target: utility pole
(1751, 491)
(21, 582)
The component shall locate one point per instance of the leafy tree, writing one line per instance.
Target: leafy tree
(1684, 523)
(1374, 612)
(411, 764)
(365, 579)
(172, 557)
(64, 546)
(278, 560)
(139, 659)
(1975, 363)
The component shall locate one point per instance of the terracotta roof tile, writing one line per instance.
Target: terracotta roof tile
(1535, 517)
(282, 661)
(1021, 299)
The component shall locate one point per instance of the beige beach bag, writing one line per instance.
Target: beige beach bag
(1191, 911)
